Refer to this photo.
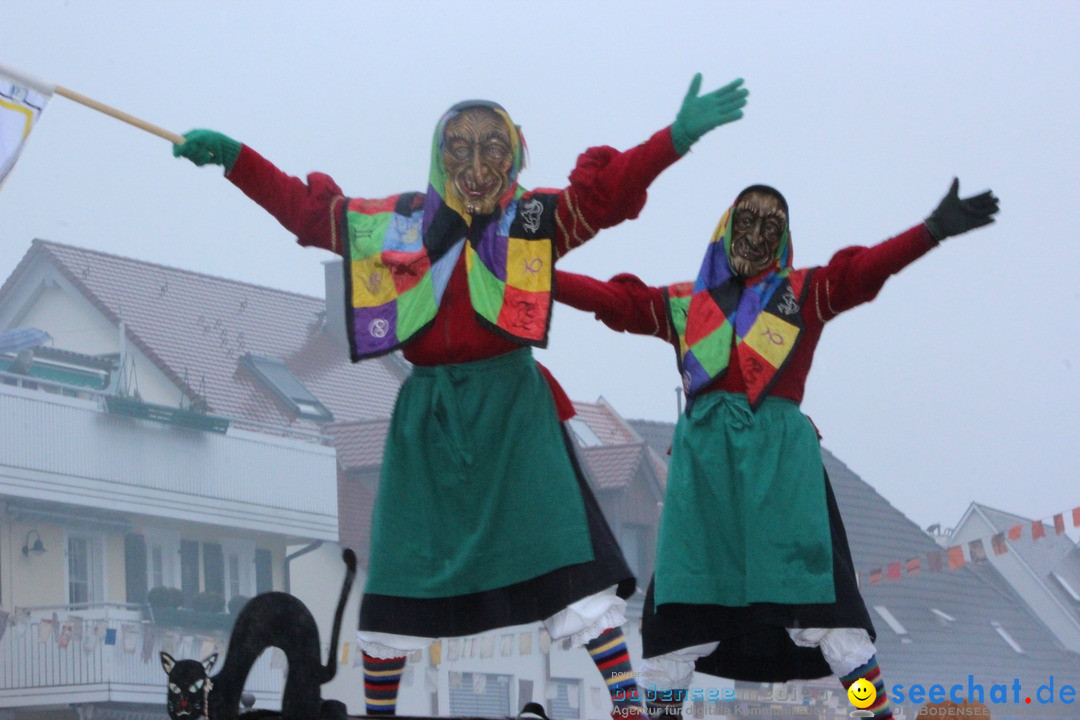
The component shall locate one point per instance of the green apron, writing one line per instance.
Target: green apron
(745, 518)
(477, 490)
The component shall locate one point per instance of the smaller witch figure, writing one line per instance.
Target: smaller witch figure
(735, 594)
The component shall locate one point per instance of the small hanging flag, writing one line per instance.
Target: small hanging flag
(45, 630)
(934, 561)
(875, 576)
(1015, 532)
(977, 550)
(956, 557)
(1059, 524)
(1037, 530)
(892, 571)
(914, 566)
(435, 652)
(525, 643)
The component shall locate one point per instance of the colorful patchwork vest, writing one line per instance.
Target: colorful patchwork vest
(762, 321)
(396, 271)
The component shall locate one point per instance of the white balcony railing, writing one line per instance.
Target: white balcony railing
(106, 653)
(57, 447)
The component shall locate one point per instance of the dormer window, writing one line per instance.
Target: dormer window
(892, 622)
(584, 434)
(1007, 637)
(275, 374)
(1066, 586)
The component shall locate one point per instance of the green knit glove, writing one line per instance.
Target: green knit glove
(699, 115)
(955, 215)
(206, 147)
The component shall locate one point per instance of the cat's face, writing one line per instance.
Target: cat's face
(189, 684)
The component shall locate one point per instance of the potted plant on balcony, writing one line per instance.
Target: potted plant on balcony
(206, 611)
(164, 604)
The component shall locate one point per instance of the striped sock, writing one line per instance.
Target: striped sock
(871, 672)
(381, 680)
(613, 661)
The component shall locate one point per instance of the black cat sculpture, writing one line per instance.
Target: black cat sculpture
(273, 619)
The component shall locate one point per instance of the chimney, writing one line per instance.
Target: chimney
(335, 299)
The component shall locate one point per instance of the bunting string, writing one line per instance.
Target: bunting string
(975, 552)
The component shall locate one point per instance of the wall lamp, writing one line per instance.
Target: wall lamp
(37, 548)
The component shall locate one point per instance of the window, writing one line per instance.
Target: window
(564, 699)
(85, 569)
(480, 695)
(1006, 637)
(943, 617)
(583, 433)
(1068, 588)
(275, 374)
(162, 559)
(889, 618)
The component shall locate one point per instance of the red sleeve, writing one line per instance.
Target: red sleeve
(609, 186)
(563, 406)
(855, 275)
(623, 303)
(309, 210)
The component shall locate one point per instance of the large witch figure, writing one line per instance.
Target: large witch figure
(754, 578)
(483, 518)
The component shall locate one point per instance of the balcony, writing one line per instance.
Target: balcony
(106, 653)
(62, 444)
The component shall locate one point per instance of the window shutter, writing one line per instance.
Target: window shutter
(264, 571)
(135, 567)
(214, 568)
(189, 570)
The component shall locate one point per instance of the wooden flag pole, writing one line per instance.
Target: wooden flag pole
(119, 115)
(48, 89)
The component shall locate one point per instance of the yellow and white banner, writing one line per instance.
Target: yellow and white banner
(22, 101)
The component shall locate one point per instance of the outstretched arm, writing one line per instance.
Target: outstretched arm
(609, 186)
(855, 275)
(308, 210)
(624, 303)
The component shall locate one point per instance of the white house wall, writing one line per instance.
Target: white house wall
(71, 451)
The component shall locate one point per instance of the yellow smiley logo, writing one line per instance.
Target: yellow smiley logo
(862, 693)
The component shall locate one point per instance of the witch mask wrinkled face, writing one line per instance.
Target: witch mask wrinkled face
(756, 231)
(478, 155)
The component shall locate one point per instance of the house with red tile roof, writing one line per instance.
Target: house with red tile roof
(171, 429)
(164, 442)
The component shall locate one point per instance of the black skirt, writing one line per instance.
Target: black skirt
(529, 601)
(754, 642)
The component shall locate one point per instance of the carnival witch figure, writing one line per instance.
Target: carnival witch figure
(734, 594)
(483, 518)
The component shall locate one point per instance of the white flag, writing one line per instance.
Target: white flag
(21, 103)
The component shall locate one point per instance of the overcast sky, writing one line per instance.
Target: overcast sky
(958, 384)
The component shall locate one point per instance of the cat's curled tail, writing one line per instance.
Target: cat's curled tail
(330, 669)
